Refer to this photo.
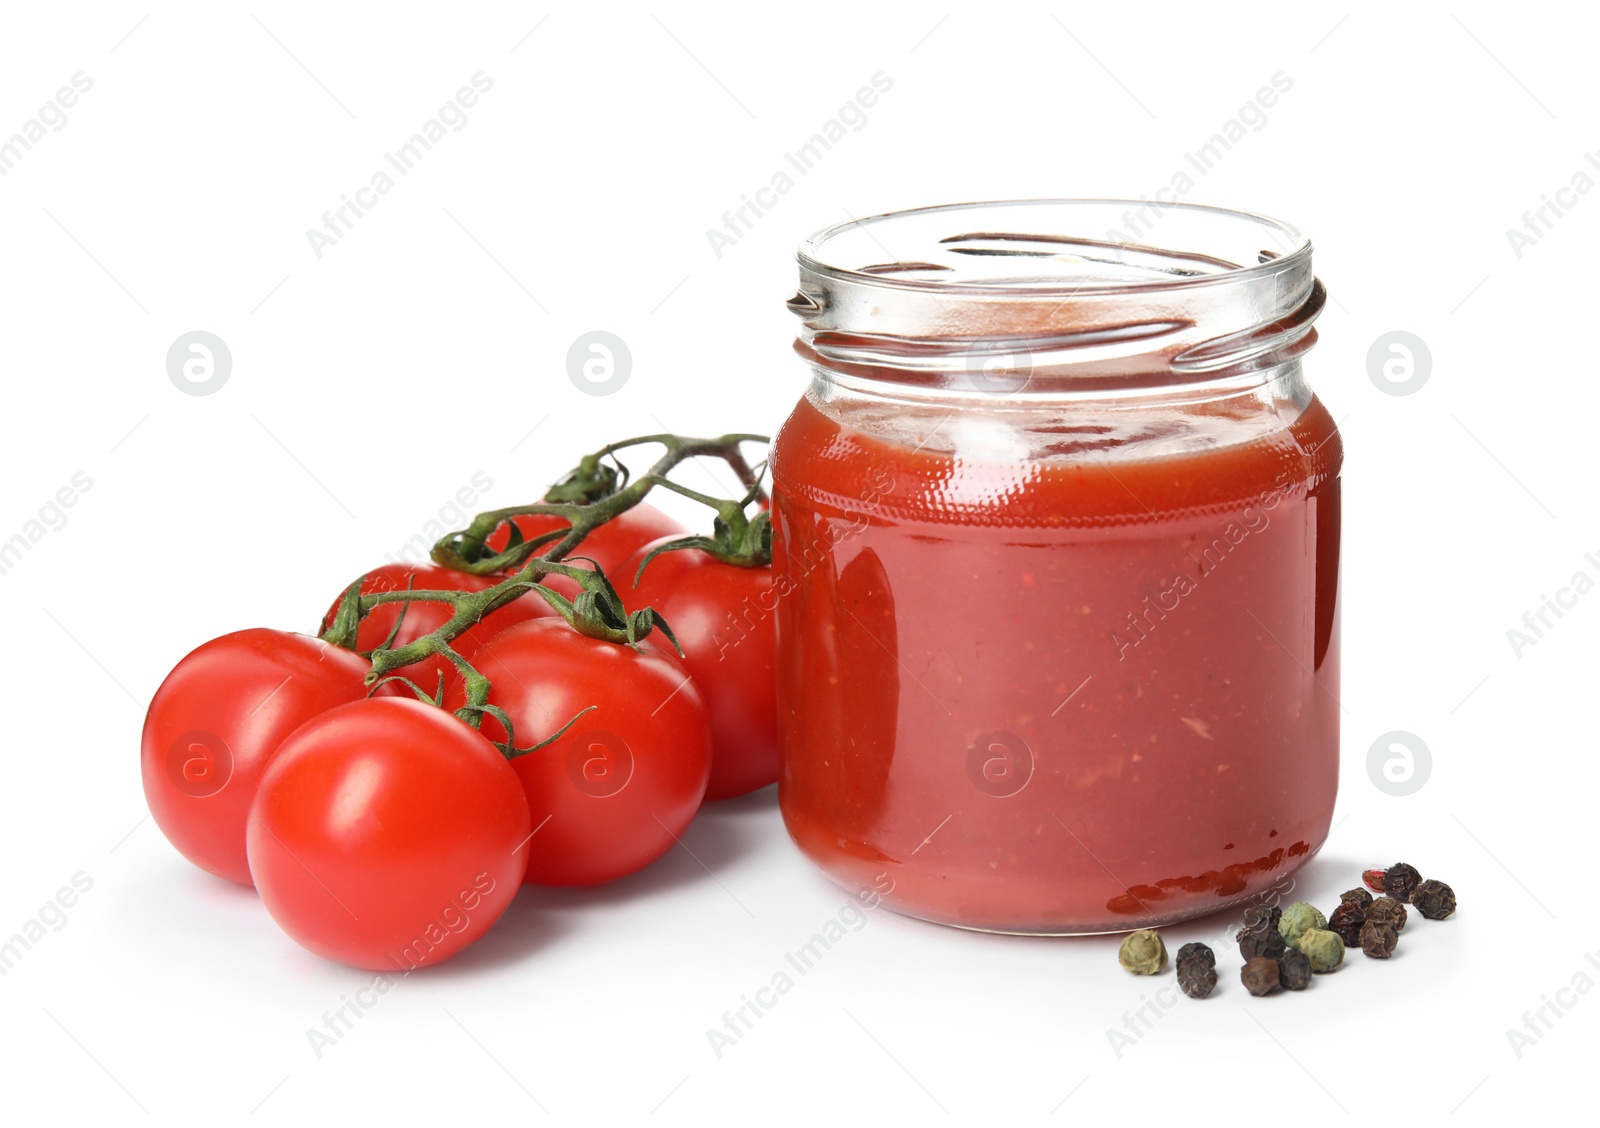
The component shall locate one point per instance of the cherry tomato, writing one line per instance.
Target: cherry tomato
(424, 617)
(722, 615)
(607, 546)
(387, 835)
(614, 792)
(215, 723)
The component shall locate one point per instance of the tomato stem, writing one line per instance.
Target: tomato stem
(597, 490)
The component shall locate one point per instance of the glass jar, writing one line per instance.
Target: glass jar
(1057, 547)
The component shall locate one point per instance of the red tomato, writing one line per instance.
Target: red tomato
(387, 835)
(722, 616)
(612, 794)
(607, 546)
(424, 617)
(216, 722)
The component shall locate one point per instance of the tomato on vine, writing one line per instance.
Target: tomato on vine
(722, 615)
(384, 832)
(217, 721)
(388, 835)
(608, 545)
(614, 791)
(421, 617)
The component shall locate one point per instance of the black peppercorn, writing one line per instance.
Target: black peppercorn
(1378, 939)
(1359, 896)
(1260, 975)
(1347, 920)
(1399, 880)
(1264, 940)
(1197, 970)
(1294, 970)
(1197, 979)
(1262, 916)
(1434, 899)
(1386, 910)
(1197, 950)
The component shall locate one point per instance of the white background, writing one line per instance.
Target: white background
(370, 384)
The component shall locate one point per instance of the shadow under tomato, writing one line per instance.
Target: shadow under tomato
(217, 889)
(722, 833)
(525, 929)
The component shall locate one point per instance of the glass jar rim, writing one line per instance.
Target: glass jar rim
(995, 286)
(1294, 250)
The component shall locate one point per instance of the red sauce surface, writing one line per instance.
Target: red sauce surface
(1074, 694)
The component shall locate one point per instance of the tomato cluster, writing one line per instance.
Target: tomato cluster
(390, 826)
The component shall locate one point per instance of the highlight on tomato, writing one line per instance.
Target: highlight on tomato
(214, 725)
(614, 791)
(387, 835)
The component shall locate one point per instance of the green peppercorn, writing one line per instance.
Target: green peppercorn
(1142, 952)
(1260, 976)
(1360, 896)
(1434, 899)
(1386, 910)
(1347, 920)
(1323, 947)
(1297, 918)
(1294, 971)
(1378, 940)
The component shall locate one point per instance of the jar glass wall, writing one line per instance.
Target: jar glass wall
(1056, 537)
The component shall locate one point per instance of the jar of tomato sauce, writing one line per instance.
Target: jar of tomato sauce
(1056, 541)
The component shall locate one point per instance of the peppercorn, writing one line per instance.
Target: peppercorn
(1294, 970)
(1373, 879)
(1347, 920)
(1323, 947)
(1197, 979)
(1386, 910)
(1297, 918)
(1263, 941)
(1257, 916)
(1378, 939)
(1434, 899)
(1197, 970)
(1196, 951)
(1399, 880)
(1359, 896)
(1142, 952)
(1259, 976)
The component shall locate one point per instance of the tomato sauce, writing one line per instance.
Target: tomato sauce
(1089, 688)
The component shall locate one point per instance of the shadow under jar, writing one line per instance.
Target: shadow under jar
(1056, 542)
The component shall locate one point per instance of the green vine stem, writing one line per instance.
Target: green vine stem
(594, 492)
(735, 539)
